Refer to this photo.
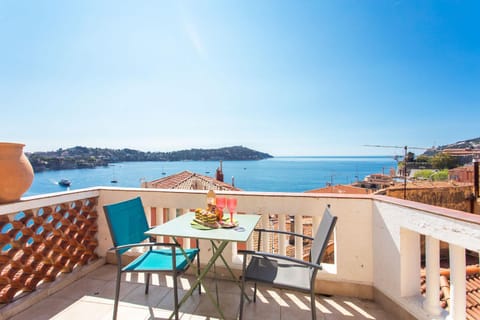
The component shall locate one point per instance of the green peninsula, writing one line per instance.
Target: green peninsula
(84, 157)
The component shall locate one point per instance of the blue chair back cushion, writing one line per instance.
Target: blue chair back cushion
(127, 222)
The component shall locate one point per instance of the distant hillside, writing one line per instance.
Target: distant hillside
(83, 157)
(465, 144)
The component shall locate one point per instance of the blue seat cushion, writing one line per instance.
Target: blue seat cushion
(160, 260)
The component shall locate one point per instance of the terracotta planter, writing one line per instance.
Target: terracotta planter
(16, 172)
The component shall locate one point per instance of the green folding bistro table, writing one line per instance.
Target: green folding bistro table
(181, 227)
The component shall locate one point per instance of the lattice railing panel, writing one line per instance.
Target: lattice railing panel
(37, 245)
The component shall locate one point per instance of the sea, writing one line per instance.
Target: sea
(278, 174)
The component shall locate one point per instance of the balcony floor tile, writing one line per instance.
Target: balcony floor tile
(92, 298)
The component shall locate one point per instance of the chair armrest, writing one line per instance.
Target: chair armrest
(280, 257)
(284, 232)
(146, 244)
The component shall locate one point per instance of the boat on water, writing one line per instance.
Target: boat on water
(114, 178)
(64, 183)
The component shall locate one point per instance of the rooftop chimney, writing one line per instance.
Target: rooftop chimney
(219, 173)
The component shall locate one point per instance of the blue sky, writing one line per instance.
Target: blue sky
(283, 77)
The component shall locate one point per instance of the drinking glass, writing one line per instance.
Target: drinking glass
(232, 206)
(220, 203)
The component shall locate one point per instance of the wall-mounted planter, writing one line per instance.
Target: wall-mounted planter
(16, 172)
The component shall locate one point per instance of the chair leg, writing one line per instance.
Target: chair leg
(117, 291)
(198, 270)
(242, 293)
(255, 292)
(175, 294)
(312, 304)
(147, 282)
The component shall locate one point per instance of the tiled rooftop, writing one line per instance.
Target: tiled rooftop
(347, 189)
(189, 181)
(91, 297)
(472, 290)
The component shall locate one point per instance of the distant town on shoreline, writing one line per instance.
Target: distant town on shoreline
(84, 157)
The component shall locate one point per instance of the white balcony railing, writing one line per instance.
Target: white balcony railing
(377, 238)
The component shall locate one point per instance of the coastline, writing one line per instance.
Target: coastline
(278, 174)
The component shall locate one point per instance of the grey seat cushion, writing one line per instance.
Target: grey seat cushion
(279, 272)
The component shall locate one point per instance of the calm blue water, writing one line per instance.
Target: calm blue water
(289, 174)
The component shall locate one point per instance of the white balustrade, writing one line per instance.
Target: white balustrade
(377, 238)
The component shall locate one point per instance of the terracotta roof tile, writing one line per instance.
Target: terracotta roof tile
(472, 290)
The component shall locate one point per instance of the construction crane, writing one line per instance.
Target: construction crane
(404, 161)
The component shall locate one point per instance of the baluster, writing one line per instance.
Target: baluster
(299, 241)
(171, 214)
(151, 218)
(159, 214)
(432, 257)
(282, 239)
(266, 236)
(409, 262)
(315, 223)
(457, 301)
(186, 241)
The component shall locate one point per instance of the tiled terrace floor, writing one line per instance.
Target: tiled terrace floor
(92, 298)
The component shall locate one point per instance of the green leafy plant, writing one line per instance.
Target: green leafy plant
(443, 161)
(433, 175)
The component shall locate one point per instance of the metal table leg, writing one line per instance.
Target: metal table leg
(232, 274)
(203, 273)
